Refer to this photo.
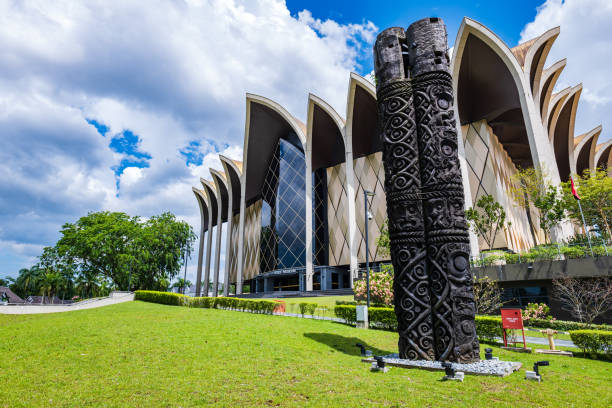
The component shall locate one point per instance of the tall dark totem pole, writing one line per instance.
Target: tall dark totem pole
(434, 301)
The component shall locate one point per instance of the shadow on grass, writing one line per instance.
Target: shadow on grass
(346, 345)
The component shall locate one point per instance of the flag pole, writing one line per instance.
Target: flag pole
(586, 231)
(585, 228)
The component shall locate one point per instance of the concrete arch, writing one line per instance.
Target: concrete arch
(222, 216)
(556, 103)
(325, 148)
(518, 123)
(204, 220)
(519, 108)
(536, 57)
(584, 150)
(233, 171)
(603, 156)
(267, 122)
(211, 199)
(561, 131)
(361, 116)
(547, 85)
(324, 134)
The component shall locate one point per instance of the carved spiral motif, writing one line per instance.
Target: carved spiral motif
(411, 286)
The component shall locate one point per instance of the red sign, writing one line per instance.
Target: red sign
(512, 319)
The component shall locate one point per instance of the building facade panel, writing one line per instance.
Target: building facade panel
(252, 234)
(370, 175)
(337, 216)
(233, 256)
(491, 172)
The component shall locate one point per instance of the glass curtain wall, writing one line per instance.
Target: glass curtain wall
(283, 212)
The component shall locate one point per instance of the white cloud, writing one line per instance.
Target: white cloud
(174, 74)
(586, 41)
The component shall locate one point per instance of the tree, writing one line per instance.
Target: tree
(584, 299)
(531, 187)
(383, 243)
(181, 284)
(487, 295)
(487, 219)
(595, 191)
(99, 244)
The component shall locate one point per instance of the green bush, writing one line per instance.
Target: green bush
(563, 325)
(593, 341)
(573, 252)
(511, 258)
(346, 312)
(488, 327)
(201, 302)
(165, 298)
(382, 318)
(346, 302)
(307, 308)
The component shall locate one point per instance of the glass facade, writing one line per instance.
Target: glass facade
(320, 240)
(522, 296)
(283, 211)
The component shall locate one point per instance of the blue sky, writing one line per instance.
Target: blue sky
(110, 105)
(506, 18)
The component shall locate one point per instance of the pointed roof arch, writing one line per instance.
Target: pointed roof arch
(603, 155)
(233, 172)
(491, 85)
(536, 57)
(221, 188)
(547, 85)
(266, 123)
(556, 103)
(325, 134)
(361, 118)
(203, 204)
(210, 191)
(562, 132)
(584, 151)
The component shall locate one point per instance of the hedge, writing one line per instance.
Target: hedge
(165, 298)
(564, 325)
(245, 305)
(307, 308)
(594, 341)
(487, 327)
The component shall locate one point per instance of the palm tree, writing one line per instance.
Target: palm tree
(181, 284)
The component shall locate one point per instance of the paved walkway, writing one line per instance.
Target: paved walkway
(114, 298)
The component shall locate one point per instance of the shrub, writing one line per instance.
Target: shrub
(307, 308)
(201, 302)
(346, 312)
(382, 318)
(563, 325)
(346, 302)
(488, 327)
(381, 287)
(536, 311)
(573, 252)
(164, 298)
(593, 341)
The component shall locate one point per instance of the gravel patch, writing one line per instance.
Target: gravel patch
(496, 368)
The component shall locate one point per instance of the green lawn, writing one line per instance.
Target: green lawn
(327, 303)
(149, 355)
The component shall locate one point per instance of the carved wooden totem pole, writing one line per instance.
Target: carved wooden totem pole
(428, 231)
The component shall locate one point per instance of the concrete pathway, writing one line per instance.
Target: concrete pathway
(114, 298)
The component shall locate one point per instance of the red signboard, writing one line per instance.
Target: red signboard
(512, 320)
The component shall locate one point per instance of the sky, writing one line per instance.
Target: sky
(109, 105)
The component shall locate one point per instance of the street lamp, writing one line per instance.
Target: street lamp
(367, 217)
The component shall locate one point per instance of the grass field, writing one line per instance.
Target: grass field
(149, 355)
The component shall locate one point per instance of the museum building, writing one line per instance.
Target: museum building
(294, 210)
